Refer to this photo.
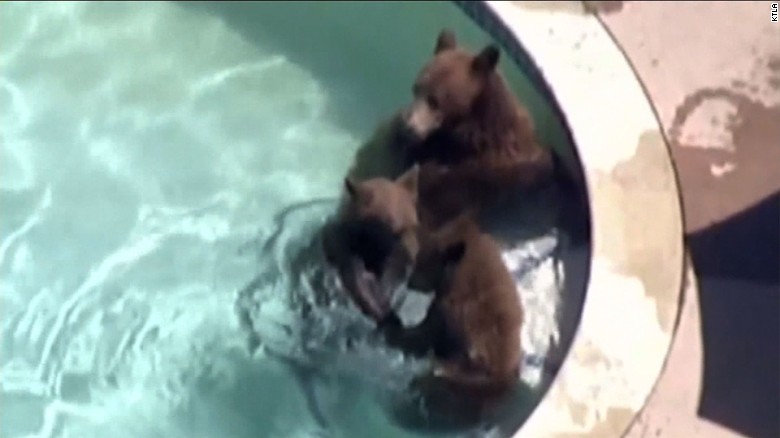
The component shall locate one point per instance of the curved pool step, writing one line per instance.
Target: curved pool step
(633, 297)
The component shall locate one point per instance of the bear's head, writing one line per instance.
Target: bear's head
(393, 202)
(448, 86)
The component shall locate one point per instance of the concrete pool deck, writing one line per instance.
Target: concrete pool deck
(712, 71)
(630, 311)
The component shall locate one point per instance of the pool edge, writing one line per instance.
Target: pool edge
(632, 303)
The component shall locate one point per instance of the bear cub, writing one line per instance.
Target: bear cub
(473, 323)
(373, 239)
(475, 140)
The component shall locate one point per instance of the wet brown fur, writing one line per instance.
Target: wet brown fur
(473, 324)
(381, 213)
(486, 143)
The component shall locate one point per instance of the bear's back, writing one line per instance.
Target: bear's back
(485, 302)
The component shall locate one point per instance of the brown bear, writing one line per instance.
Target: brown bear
(381, 155)
(463, 110)
(446, 192)
(472, 326)
(394, 202)
(373, 239)
(477, 139)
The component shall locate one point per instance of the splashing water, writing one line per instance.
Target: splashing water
(144, 148)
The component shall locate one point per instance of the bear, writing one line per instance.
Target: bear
(463, 110)
(381, 155)
(394, 202)
(472, 326)
(373, 239)
(475, 141)
(446, 192)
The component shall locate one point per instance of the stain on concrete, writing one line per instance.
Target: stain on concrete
(612, 424)
(603, 7)
(756, 136)
(638, 181)
(578, 411)
(639, 177)
(708, 126)
(773, 63)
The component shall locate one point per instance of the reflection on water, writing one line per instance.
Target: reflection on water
(151, 154)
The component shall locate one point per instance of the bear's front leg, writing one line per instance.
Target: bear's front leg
(416, 341)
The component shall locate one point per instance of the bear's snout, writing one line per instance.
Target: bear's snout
(406, 135)
(420, 120)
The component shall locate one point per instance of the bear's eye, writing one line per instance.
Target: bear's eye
(433, 102)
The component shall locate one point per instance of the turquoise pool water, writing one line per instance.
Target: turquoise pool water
(158, 158)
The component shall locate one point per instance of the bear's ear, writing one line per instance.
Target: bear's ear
(445, 41)
(486, 60)
(349, 185)
(409, 179)
(454, 253)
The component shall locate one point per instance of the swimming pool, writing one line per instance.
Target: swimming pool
(158, 158)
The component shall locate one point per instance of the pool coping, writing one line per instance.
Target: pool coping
(635, 284)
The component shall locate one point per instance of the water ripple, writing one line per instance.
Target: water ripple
(153, 184)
